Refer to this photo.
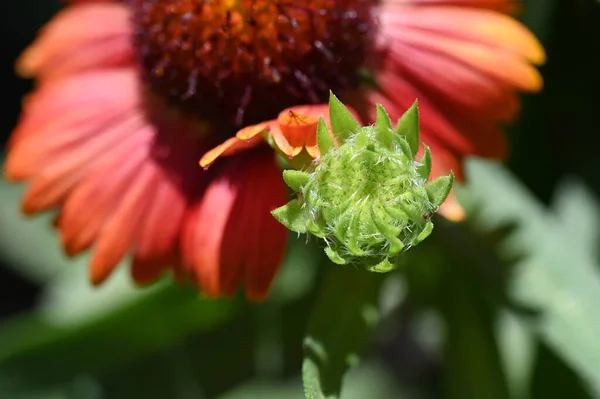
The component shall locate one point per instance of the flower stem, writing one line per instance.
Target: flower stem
(345, 313)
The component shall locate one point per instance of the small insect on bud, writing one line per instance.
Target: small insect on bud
(367, 198)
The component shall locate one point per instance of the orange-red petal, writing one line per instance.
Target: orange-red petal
(230, 237)
(118, 235)
(79, 38)
(158, 239)
(444, 162)
(245, 139)
(299, 125)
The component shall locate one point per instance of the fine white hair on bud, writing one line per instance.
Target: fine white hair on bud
(368, 197)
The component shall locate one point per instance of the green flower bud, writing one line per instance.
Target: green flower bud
(367, 198)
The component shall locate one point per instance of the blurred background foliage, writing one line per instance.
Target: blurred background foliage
(503, 306)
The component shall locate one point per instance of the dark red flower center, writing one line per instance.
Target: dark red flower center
(243, 61)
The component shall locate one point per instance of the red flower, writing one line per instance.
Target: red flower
(123, 169)
(464, 60)
(132, 93)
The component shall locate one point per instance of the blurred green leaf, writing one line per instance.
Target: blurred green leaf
(558, 275)
(84, 330)
(517, 348)
(263, 341)
(344, 314)
(87, 328)
(266, 390)
(553, 379)
(31, 344)
(578, 214)
(29, 246)
(50, 393)
(369, 380)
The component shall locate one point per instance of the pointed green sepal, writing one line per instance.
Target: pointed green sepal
(383, 125)
(324, 140)
(424, 233)
(408, 126)
(295, 179)
(314, 229)
(390, 232)
(361, 140)
(334, 256)
(438, 190)
(424, 169)
(340, 231)
(352, 239)
(405, 148)
(343, 123)
(412, 209)
(292, 216)
(395, 212)
(301, 161)
(383, 267)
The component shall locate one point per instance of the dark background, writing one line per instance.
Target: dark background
(21, 20)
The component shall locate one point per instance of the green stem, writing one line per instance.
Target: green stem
(344, 315)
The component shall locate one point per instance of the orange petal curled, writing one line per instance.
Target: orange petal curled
(234, 145)
(299, 126)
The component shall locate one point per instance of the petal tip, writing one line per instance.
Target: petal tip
(25, 66)
(453, 211)
(96, 279)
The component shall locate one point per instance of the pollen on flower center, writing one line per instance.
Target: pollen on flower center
(243, 61)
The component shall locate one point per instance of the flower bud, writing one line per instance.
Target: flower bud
(367, 198)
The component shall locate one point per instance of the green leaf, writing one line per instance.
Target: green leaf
(343, 122)
(553, 378)
(408, 126)
(578, 215)
(18, 235)
(370, 380)
(292, 216)
(118, 330)
(558, 273)
(517, 348)
(156, 317)
(338, 329)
